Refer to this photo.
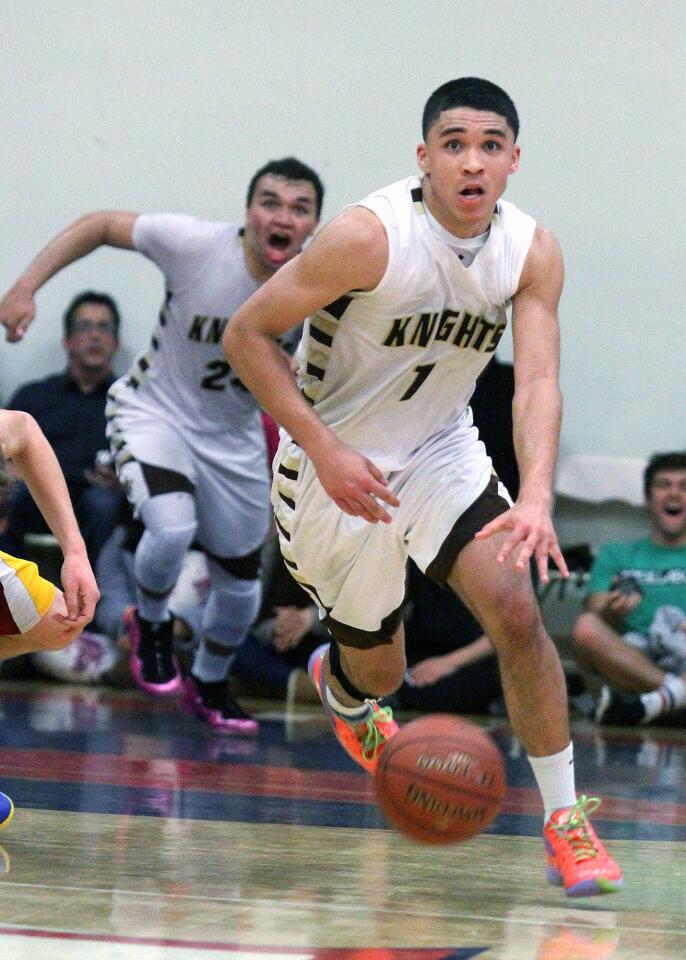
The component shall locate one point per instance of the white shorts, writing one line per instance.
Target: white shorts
(230, 485)
(355, 570)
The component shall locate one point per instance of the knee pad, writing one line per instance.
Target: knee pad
(232, 607)
(170, 525)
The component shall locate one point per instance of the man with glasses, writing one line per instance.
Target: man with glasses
(70, 409)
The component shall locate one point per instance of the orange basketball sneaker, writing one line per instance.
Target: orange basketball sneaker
(362, 741)
(576, 857)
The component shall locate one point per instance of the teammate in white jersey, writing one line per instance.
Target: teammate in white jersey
(187, 437)
(34, 614)
(407, 295)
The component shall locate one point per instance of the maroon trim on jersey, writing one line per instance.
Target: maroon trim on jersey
(8, 627)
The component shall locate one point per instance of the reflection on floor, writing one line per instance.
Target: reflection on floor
(139, 834)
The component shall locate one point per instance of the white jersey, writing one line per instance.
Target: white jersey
(184, 377)
(390, 368)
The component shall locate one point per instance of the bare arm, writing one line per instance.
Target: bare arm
(435, 668)
(349, 254)
(22, 441)
(536, 409)
(105, 228)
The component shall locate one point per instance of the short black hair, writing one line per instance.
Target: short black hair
(91, 296)
(675, 460)
(291, 169)
(470, 92)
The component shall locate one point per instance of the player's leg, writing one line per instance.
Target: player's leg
(232, 606)
(503, 600)
(365, 661)
(533, 682)
(170, 523)
(232, 498)
(361, 725)
(455, 495)
(155, 467)
(355, 573)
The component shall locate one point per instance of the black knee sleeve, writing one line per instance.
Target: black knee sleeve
(337, 672)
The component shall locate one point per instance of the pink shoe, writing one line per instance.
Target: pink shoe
(213, 703)
(576, 859)
(153, 664)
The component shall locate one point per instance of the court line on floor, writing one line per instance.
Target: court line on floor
(330, 907)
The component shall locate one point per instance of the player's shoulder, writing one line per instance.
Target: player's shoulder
(544, 261)
(182, 224)
(356, 229)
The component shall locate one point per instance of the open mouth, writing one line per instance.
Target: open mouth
(472, 192)
(279, 241)
(672, 510)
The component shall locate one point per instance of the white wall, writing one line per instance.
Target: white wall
(172, 104)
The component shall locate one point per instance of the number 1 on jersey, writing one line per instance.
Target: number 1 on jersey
(421, 373)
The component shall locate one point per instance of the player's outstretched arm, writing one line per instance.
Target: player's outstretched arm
(23, 442)
(350, 253)
(107, 227)
(537, 409)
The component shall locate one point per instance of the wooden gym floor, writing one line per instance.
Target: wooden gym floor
(138, 834)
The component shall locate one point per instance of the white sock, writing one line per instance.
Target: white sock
(351, 714)
(671, 695)
(555, 779)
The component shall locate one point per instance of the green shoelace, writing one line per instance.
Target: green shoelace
(576, 828)
(373, 737)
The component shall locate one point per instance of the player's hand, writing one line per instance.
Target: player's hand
(80, 590)
(528, 524)
(355, 484)
(17, 310)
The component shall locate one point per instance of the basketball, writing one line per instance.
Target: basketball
(440, 780)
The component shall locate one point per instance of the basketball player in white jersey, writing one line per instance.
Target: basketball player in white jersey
(34, 614)
(407, 295)
(187, 437)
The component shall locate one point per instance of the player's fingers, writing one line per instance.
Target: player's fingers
(558, 559)
(542, 561)
(346, 506)
(16, 332)
(71, 600)
(383, 493)
(509, 544)
(525, 554)
(493, 526)
(377, 511)
(381, 489)
(355, 508)
(88, 599)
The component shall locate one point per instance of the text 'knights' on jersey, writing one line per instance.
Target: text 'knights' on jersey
(388, 369)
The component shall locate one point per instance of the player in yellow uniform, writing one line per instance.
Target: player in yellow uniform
(34, 614)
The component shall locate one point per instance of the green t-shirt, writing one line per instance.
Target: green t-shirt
(661, 571)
